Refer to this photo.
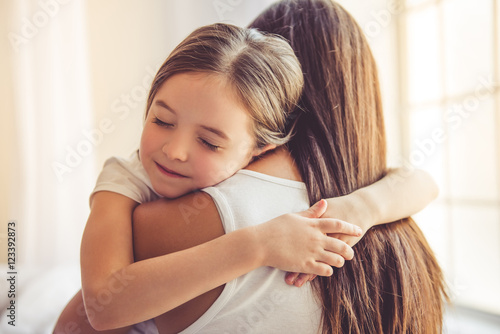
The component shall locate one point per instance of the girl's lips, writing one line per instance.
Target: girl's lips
(169, 172)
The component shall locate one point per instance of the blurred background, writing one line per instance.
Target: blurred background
(75, 76)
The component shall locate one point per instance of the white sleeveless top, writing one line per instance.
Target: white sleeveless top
(260, 301)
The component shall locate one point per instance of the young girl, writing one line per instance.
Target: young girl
(209, 112)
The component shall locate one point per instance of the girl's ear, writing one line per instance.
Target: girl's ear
(262, 150)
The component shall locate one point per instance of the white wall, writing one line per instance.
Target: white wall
(128, 40)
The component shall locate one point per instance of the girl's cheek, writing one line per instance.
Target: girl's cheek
(150, 139)
(145, 138)
(143, 147)
(213, 172)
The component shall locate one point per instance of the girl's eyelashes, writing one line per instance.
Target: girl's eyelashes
(158, 121)
(205, 143)
(211, 147)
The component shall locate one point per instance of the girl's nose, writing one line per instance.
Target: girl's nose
(176, 148)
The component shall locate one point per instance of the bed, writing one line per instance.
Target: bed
(40, 295)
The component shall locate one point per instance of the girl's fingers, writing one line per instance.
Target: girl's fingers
(334, 260)
(303, 278)
(338, 226)
(316, 210)
(338, 247)
(290, 278)
(321, 269)
(298, 279)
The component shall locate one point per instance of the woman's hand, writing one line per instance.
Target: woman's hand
(299, 242)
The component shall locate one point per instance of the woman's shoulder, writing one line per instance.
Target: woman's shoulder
(276, 163)
(248, 177)
(273, 172)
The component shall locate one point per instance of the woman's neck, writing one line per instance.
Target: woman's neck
(278, 163)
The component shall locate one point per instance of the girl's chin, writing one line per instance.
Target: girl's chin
(172, 193)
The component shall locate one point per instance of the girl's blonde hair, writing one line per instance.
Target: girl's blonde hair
(262, 69)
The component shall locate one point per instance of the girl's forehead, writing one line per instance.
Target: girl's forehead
(207, 98)
(212, 80)
(213, 88)
(164, 89)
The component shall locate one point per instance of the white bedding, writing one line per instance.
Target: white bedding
(41, 295)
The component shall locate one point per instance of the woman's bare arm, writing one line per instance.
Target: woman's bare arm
(157, 233)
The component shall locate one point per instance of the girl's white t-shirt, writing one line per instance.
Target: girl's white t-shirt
(257, 302)
(126, 177)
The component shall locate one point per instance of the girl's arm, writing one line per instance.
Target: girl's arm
(393, 197)
(128, 293)
(398, 195)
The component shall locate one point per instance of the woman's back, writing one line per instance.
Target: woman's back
(260, 301)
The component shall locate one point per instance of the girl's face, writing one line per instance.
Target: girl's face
(196, 134)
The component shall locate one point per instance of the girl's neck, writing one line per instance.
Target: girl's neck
(278, 163)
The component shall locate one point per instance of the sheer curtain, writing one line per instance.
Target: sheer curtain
(452, 121)
(52, 103)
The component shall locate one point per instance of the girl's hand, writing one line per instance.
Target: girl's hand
(340, 207)
(298, 279)
(299, 242)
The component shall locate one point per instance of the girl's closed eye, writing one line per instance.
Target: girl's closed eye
(158, 121)
(210, 146)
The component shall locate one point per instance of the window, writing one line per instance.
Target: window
(450, 65)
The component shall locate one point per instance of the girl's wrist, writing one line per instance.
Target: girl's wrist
(366, 208)
(357, 208)
(254, 241)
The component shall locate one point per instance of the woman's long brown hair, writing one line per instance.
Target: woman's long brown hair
(394, 283)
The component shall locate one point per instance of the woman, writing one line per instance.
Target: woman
(323, 149)
(393, 284)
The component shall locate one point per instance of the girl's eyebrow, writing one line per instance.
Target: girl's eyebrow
(162, 104)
